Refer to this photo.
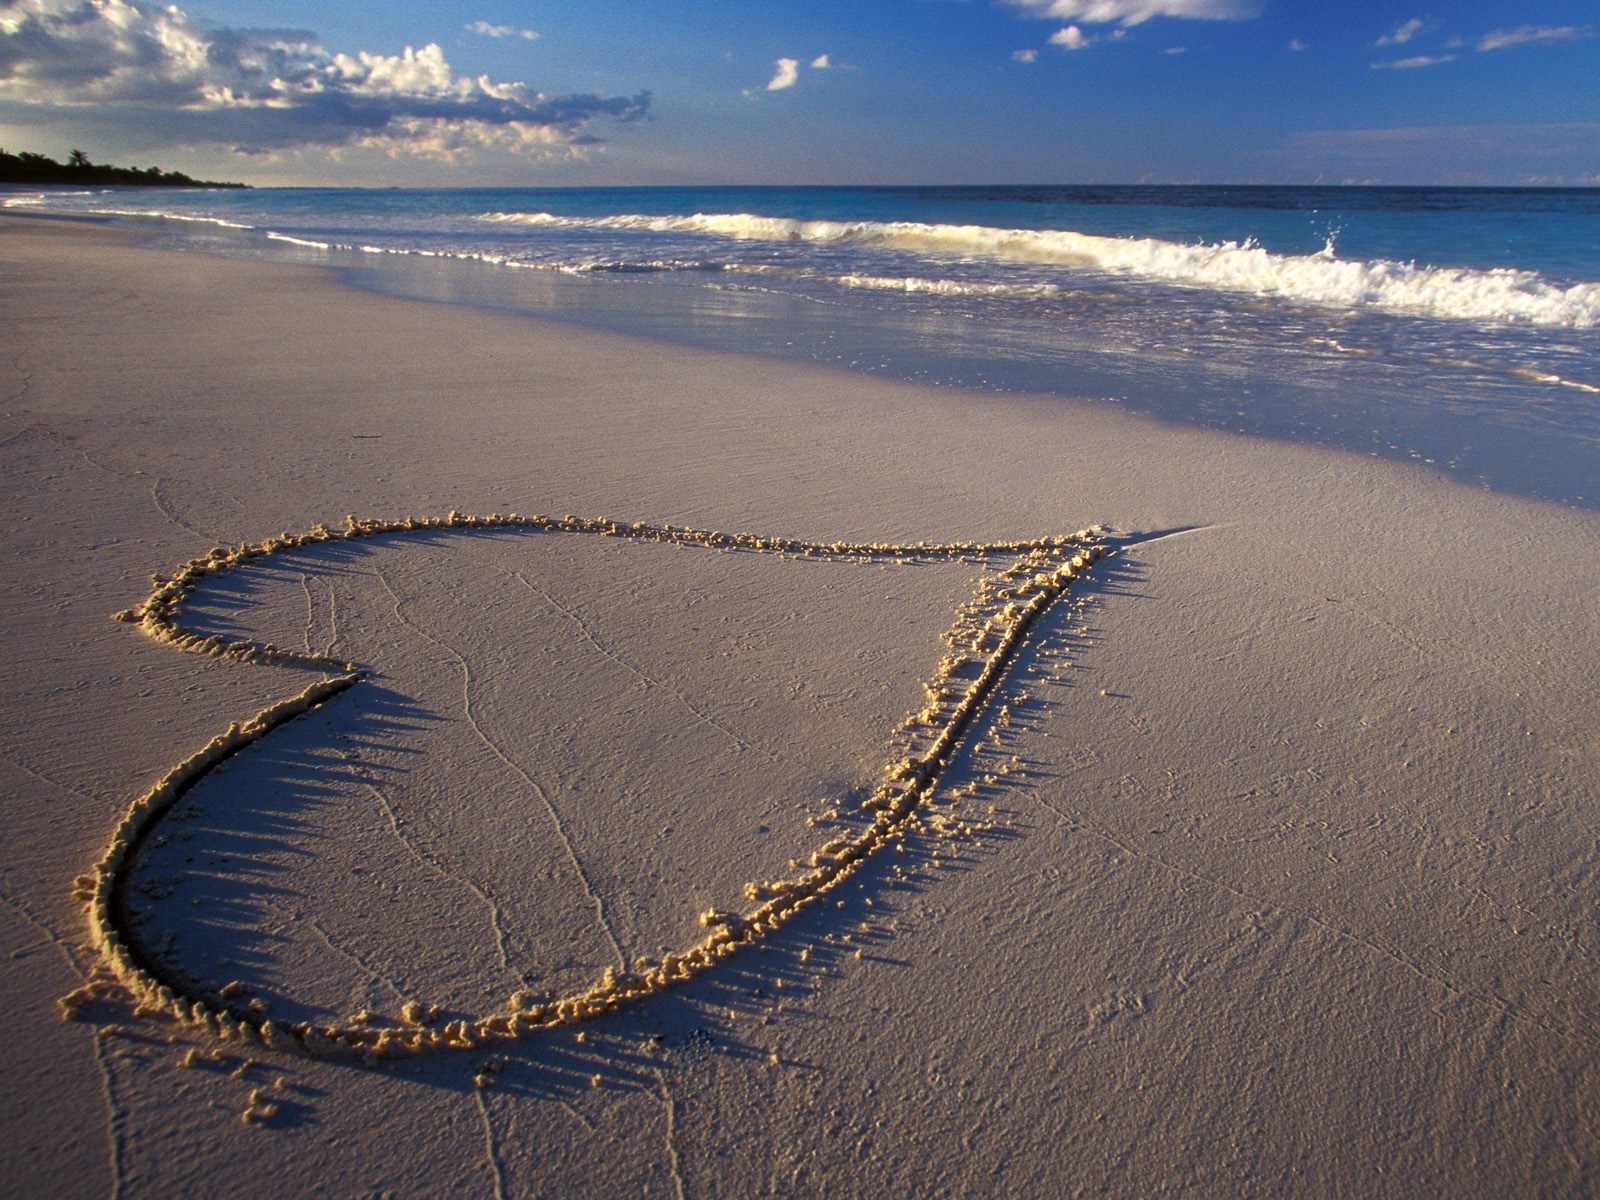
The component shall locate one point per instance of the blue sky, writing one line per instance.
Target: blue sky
(461, 92)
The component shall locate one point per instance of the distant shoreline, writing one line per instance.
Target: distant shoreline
(39, 169)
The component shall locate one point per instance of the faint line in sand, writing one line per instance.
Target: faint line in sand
(333, 621)
(572, 1111)
(491, 1151)
(516, 768)
(114, 1114)
(1505, 1007)
(21, 394)
(42, 777)
(372, 973)
(439, 869)
(114, 1117)
(670, 1104)
(161, 507)
(644, 677)
(311, 609)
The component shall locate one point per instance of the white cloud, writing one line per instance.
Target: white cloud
(1025, 56)
(786, 72)
(1136, 12)
(1403, 33)
(786, 75)
(1411, 64)
(485, 29)
(1074, 38)
(1296, 46)
(1176, 50)
(130, 66)
(1525, 35)
(421, 72)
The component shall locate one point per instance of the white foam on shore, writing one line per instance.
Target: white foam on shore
(644, 266)
(586, 267)
(296, 241)
(1498, 295)
(219, 222)
(43, 199)
(951, 287)
(1534, 376)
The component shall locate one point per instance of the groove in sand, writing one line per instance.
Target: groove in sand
(984, 638)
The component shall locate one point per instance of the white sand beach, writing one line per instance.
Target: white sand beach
(1269, 868)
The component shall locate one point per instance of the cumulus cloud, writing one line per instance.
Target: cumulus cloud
(1403, 33)
(1411, 64)
(1136, 12)
(1296, 46)
(786, 75)
(485, 29)
(1525, 35)
(264, 90)
(786, 72)
(1074, 38)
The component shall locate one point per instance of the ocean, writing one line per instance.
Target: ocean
(1455, 328)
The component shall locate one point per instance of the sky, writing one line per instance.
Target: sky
(619, 92)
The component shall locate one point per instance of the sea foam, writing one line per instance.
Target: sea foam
(1499, 295)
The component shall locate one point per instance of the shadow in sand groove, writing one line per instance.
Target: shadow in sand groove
(1025, 581)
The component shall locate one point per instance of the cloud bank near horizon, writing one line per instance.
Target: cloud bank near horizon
(264, 91)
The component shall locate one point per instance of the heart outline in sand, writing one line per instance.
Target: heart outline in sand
(984, 638)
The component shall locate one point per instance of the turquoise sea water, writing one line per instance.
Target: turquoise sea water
(1456, 327)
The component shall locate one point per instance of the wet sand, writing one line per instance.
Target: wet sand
(1269, 865)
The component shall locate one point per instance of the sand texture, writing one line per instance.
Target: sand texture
(1039, 801)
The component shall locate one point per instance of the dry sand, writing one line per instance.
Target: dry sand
(1271, 868)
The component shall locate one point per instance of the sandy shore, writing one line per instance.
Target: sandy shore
(1270, 868)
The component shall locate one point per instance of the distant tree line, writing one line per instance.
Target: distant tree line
(38, 168)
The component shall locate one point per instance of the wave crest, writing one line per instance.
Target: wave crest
(1462, 293)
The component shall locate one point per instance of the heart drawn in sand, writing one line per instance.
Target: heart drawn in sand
(983, 639)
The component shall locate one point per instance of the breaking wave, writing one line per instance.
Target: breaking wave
(952, 287)
(1498, 295)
